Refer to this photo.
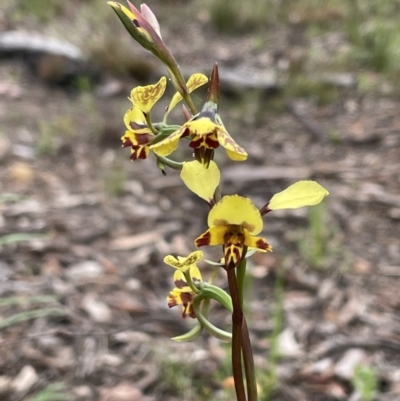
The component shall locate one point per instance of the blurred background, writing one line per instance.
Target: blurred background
(310, 89)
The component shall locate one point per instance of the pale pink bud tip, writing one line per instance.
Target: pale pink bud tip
(149, 16)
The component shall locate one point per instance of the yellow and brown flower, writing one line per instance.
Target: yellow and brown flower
(207, 133)
(182, 294)
(234, 223)
(138, 136)
(205, 130)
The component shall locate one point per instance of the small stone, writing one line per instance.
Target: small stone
(346, 365)
(135, 337)
(97, 310)
(85, 270)
(362, 266)
(124, 391)
(21, 173)
(83, 392)
(25, 379)
(111, 360)
(287, 344)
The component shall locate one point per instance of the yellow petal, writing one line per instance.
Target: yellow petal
(184, 264)
(144, 97)
(202, 126)
(200, 180)
(194, 82)
(134, 115)
(180, 280)
(302, 193)
(167, 145)
(213, 236)
(195, 273)
(177, 297)
(233, 150)
(256, 243)
(236, 210)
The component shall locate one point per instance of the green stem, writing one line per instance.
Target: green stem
(150, 124)
(237, 322)
(190, 103)
(170, 163)
(248, 359)
(214, 292)
(189, 280)
(213, 330)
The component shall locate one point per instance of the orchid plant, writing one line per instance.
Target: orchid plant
(234, 221)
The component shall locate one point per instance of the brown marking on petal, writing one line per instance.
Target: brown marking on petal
(126, 142)
(134, 153)
(149, 93)
(191, 312)
(191, 260)
(144, 139)
(203, 240)
(234, 234)
(139, 152)
(180, 283)
(188, 311)
(233, 255)
(187, 299)
(262, 244)
(225, 140)
(247, 226)
(196, 281)
(172, 301)
(135, 126)
(185, 133)
(196, 142)
(234, 239)
(208, 141)
(136, 23)
(220, 223)
(195, 82)
(211, 141)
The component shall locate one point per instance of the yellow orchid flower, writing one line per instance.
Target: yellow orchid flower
(206, 131)
(234, 221)
(138, 136)
(184, 264)
(182, 294)
(203, 182)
